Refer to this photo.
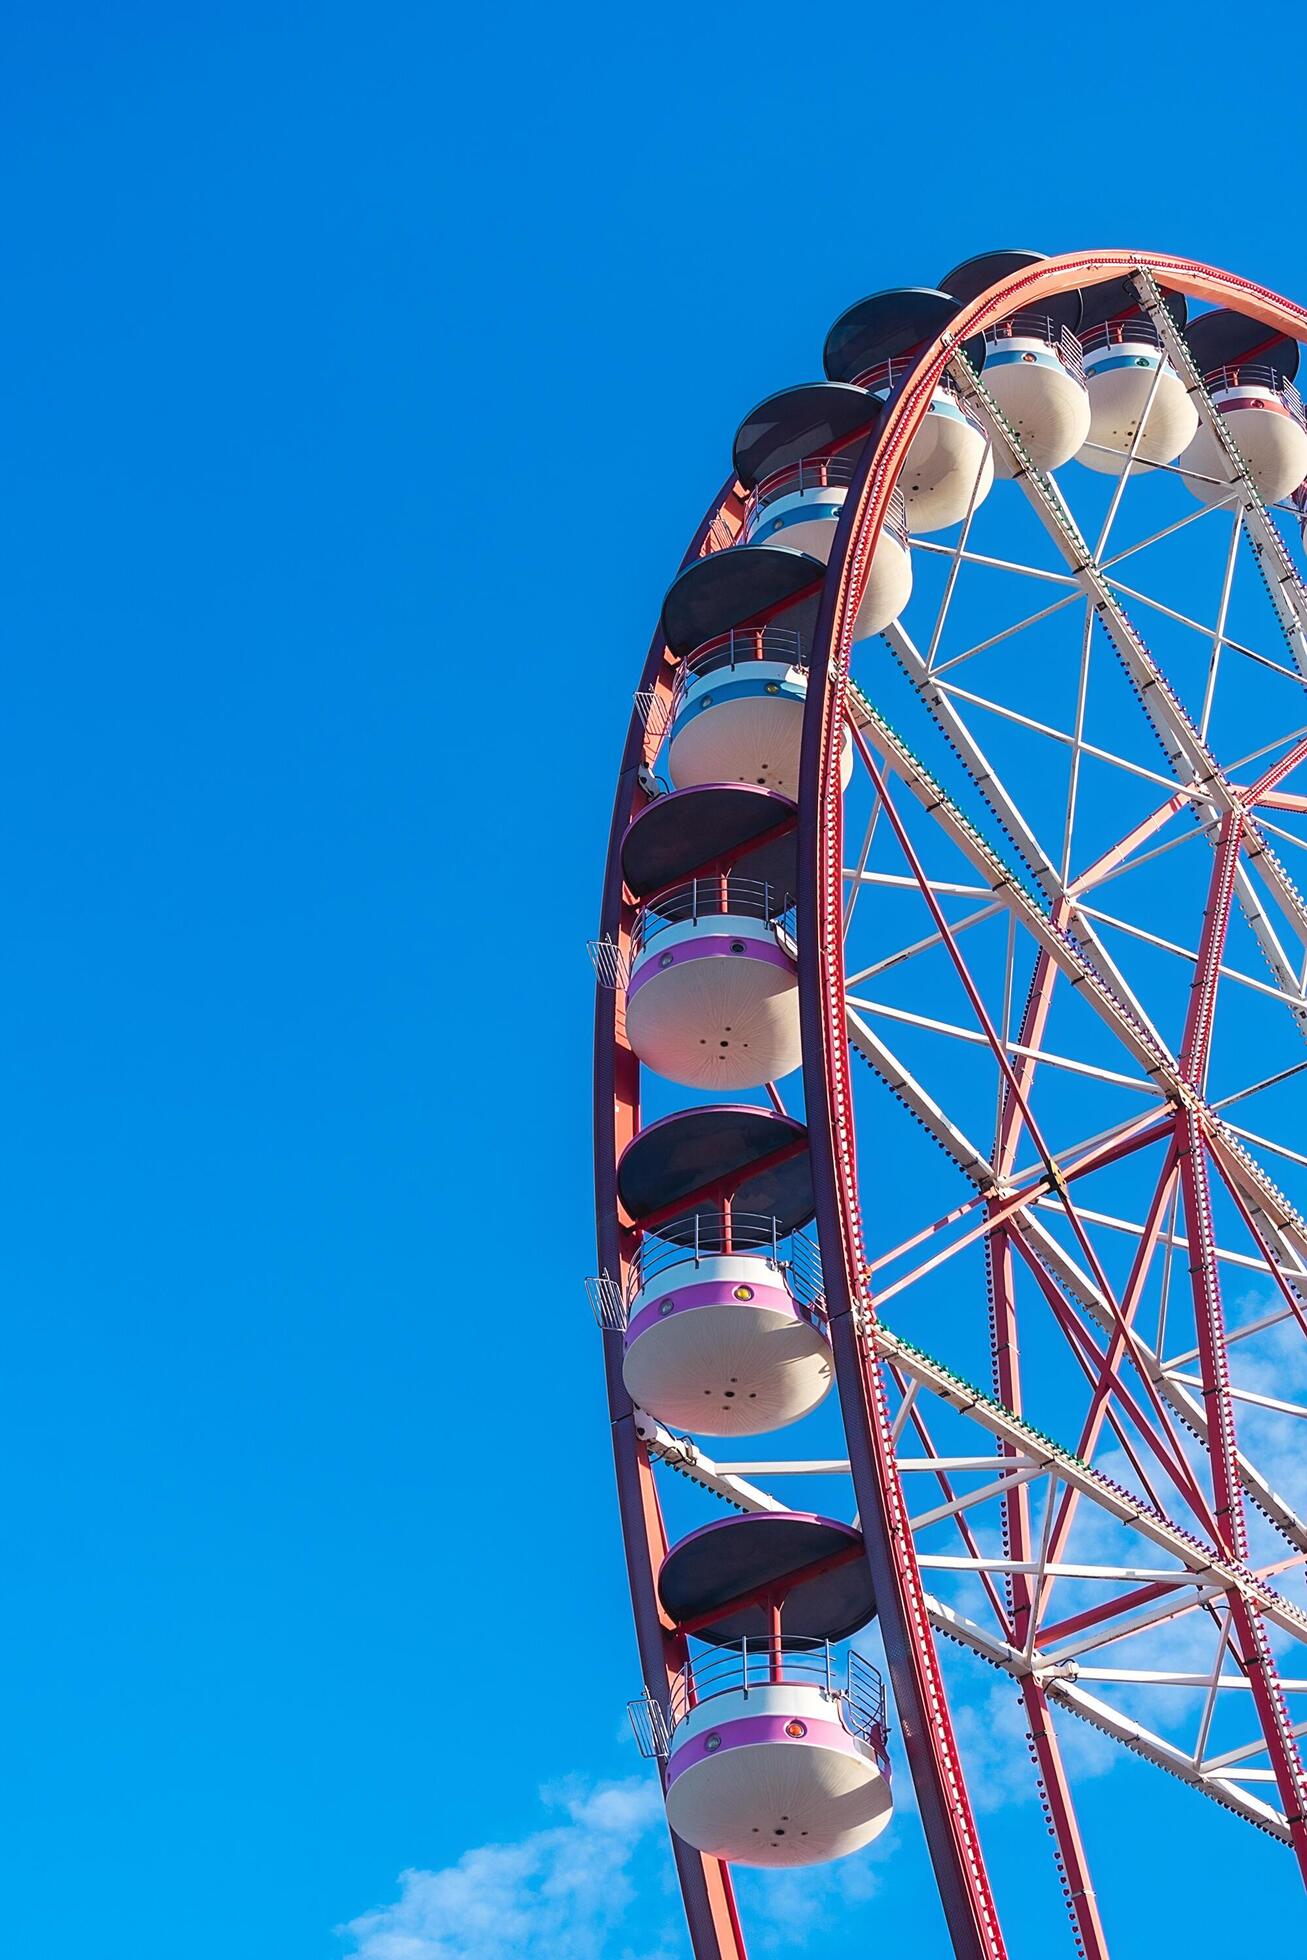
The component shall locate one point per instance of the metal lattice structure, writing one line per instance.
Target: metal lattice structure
(1052, 982)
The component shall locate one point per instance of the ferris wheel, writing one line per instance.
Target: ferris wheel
(951, 1054)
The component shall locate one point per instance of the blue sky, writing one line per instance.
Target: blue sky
(366, 371)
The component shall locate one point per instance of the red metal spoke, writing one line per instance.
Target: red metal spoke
(1110, 1151)
(1053, 1632)
(1034, 1020)
(1002, 1209)
(949, 940)
(1045, 1751)
(1111, 859)
(1209, 1318)
(1093, 1359)
(1195, 1049)
(1069, 1846)
(1130, 1301)
(1249, 1638)
(947, 1816)
(1286, 1292)
(1263, 790)
(1250, 1643)
(982, 1015)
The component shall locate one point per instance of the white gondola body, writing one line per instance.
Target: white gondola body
(1046, 404)
(805, 520)
(743, 724)
(1266, 432)
(948, 461)
(802, 518)
(773, 1777)
(719, 1345)
(1124, 384)
(713, 1003)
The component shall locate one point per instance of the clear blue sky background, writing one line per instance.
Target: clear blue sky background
(365, 372)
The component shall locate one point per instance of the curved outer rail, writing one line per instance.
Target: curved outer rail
(705, 1882)
(909, 1642)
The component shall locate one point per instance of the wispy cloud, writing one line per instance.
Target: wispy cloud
(565, 1892)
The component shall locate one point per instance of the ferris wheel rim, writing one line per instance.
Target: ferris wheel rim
(972, 1915)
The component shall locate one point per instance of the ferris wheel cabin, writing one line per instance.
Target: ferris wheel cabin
(796, 454)
(712, 1000)
(724, 1328)
(1140, 412)
(776, 1750)
(1033, 364)
(774, 1744)
(739, 623)
(949, 468)
(1249, 375)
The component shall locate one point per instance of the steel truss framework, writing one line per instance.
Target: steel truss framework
(1089, 1159)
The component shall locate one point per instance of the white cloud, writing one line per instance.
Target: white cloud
(562, 1893)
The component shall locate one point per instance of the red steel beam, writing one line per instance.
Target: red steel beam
(1073, 1863)
(947, 1817)
(1248, 1633)
(706, 1890)
(1248, 1636)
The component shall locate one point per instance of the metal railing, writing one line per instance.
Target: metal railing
(1133, 329)
(742, 645)
(606, 1303)
(1073, 359)
(855, 1688)
(812, 473)
(886, 375)
(864, 1700)
(1026, 326)
(649, 1725)
(655, 711)
(1256, 374)
(809, 473)
(1038, 326)
(698, 900)
(682, 1241)
(609, 963)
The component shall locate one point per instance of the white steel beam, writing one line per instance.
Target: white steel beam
(1066, 1692)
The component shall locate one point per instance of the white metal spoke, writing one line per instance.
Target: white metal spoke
(1218, 636)
(1015, 824)
(1065, 1690)
(921, 945)
(1007, 633)
(950, 583)
(1255, 1088)
(861, 871)
(1291, 997)
(1060, 735)
(1207, 632)
(975, 1036)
